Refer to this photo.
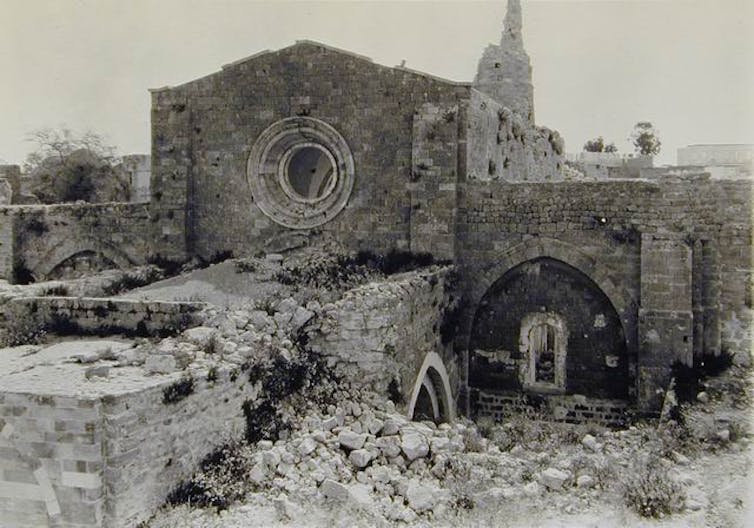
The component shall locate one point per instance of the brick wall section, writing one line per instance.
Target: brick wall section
(52, 463)
(382, 331)
(203, 132)
(45, 235)
(98, 315)
(569, 409)
(88, 462)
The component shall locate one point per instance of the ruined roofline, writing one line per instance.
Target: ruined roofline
(306, 42)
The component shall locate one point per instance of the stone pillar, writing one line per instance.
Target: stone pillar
(170, 204)
(710, 298)
(432, 182)
(7, 243)
(665, 315)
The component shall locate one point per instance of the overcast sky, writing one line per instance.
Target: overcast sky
(599, 66)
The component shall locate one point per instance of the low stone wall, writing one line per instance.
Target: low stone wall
(101, 316)
(561, 408)
(381, 332)
(111, 460)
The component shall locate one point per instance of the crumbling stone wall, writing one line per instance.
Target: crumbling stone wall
(504, 71)
(380, 333)
(503, 146)
(43, 236)
(101, 316)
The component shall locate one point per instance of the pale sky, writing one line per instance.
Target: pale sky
(599, 66)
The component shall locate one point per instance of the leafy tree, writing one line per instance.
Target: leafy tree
(598, 145)
(66, 167)
(595, 145)
(645, 139)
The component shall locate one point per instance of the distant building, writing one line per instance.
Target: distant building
(722, 161)
(609, 165)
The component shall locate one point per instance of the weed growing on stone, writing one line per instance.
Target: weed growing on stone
(178, 391)
(220, 481)
(24, 331)
(56, 291)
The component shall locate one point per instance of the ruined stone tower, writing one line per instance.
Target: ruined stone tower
(504, 71)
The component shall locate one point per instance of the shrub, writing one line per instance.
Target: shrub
(213, 344)
(28, 330)
(220, 481)
(246, 266)
(650, 492)
(36, 226)
(178, 390)
(134, 278)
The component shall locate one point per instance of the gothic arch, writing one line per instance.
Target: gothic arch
(598, 272)
(433, 378)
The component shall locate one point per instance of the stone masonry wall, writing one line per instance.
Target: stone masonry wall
(203, 132)
(46, 235)
(381, 332)
(598, 228)
(51, 461)
(153, 445)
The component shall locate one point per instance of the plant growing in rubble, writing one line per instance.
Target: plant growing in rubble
(651, 492)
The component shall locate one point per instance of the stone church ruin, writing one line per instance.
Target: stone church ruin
(579, 295)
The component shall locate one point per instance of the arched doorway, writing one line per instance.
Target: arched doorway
(546, 327)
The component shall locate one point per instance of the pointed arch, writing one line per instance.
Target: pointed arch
(433, 378)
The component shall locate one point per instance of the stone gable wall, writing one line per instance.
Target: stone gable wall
(203, 132)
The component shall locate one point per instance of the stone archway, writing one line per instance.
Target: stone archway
(67, 250)
(545, 327)
(431, 393)
(602, 275)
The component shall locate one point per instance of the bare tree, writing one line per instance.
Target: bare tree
(66, 167)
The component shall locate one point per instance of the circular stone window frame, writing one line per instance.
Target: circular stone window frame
(268, 179)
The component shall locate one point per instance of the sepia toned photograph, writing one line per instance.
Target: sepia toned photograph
(360, 263)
